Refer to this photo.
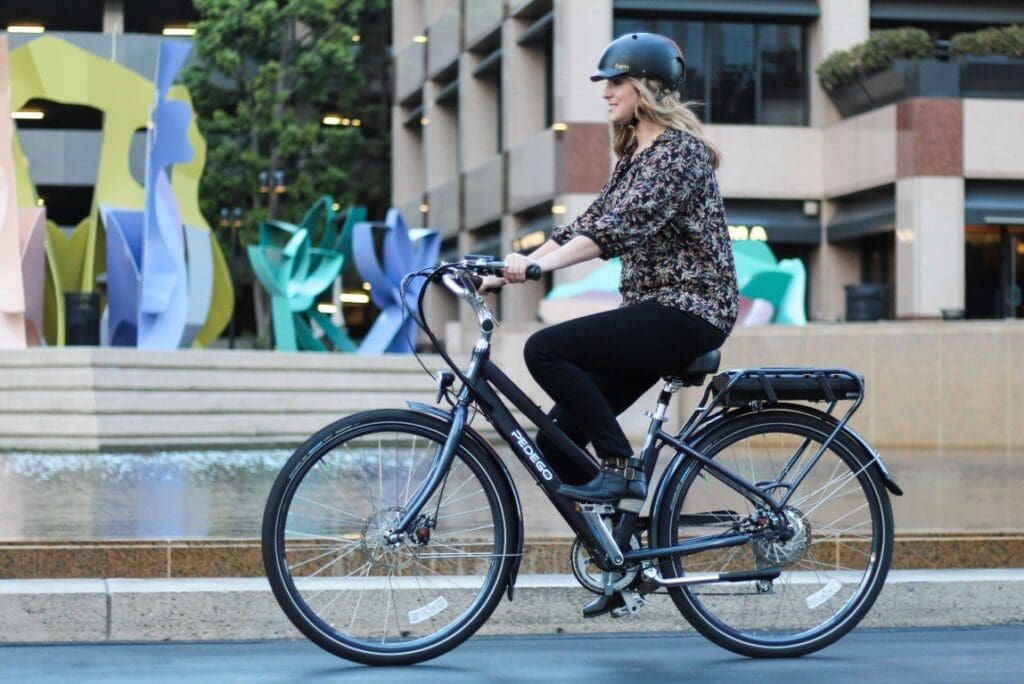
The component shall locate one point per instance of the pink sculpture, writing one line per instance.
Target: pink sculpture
(22, 240)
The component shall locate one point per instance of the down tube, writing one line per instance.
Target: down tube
(528, 453)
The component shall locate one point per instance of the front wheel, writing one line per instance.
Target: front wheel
(332, 568)
(833, 565)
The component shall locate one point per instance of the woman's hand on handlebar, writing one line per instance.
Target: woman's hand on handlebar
(490, 284)
(515, 267)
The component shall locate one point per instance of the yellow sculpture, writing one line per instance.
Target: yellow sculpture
(53, 69)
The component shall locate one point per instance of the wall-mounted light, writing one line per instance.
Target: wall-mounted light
(557, 209)
(741, 233)
(354, 298)
(811, 207)
(357, 122)
(424, 121)
(26, 28)
(331, 120)
(27, 115)
(336, 207)
(559, 126)
(179, 31)
(419, 39)
(424, 208)
(367, 286)
(356, 38)
(40, 202)
(529, 241)
(325, 308)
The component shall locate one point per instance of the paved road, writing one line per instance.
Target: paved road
(990, 654)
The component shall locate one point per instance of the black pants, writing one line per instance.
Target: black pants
(596, 366)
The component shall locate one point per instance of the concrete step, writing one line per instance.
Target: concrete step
(93, 610)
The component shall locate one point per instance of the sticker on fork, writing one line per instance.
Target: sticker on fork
(428, 611)
(823, 594)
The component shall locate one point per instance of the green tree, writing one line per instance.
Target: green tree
(267, 73)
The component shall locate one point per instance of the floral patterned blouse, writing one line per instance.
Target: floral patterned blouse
(662, 213)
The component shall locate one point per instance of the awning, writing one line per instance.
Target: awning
(763, 10)
(994, 202)
(784, 221)
(945, 12)
(864, 213)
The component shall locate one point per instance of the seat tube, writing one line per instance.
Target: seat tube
(658, 419)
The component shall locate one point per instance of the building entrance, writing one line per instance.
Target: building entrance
(994, 265)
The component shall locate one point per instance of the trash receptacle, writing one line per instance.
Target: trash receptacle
(82, 319)
(867, 301)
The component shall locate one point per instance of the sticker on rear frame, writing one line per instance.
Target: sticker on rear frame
(428, 611)
(823, 594)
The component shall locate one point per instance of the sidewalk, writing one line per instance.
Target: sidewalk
(95, 610)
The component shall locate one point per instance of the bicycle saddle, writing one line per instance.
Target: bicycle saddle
(697, 370)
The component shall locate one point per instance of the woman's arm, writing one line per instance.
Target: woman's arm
(554, 257)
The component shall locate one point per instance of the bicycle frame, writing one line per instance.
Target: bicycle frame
(484, 381)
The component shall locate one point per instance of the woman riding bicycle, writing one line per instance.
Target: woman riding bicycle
(662, 213)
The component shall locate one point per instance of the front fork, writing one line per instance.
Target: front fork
(438, 470)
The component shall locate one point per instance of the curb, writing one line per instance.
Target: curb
(98, 610)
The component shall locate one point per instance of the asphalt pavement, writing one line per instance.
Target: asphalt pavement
(985, 654)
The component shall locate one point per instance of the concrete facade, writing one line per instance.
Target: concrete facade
(542, 150)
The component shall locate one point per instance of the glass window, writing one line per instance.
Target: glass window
(690, 37)
(733, 78)
(782, 75)
(742, 73)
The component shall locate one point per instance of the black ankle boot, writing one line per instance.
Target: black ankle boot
(623, 480)
(603, 604)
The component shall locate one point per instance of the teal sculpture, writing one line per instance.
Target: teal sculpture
(765, 281)
(295, 273)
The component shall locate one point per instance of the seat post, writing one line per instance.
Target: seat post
(671, 386)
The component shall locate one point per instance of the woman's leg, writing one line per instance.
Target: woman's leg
(641, 341)
(621, 392)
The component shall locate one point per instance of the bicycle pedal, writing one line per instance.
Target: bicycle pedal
(600, 508)
(633, 603)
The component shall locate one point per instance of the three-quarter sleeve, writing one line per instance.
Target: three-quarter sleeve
(657, 195)
(562, 234)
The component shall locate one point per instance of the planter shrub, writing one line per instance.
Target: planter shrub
(1007, 41)
(875, 55)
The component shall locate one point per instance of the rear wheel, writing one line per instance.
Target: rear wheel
(832, 567)
(327, 555)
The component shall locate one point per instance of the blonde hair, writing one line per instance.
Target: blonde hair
(663, 108)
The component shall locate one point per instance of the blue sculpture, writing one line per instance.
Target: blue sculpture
(405, 251)
(149, 282)
(295, 273)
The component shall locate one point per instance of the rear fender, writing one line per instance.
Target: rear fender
(697, 439)
(485, 447)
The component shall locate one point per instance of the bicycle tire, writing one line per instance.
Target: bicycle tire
(325, 514)
(824, 567)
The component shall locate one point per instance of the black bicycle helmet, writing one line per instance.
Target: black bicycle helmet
(643, 55)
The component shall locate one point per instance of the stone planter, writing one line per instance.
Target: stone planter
(906, 78)
(992, 76)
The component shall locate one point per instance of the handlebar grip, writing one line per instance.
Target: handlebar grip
(533, 272)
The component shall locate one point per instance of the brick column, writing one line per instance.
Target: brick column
(929, 207)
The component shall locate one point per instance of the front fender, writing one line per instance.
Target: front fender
(485, 447)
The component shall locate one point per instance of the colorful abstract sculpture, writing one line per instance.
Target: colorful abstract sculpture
(22, 240)
(295, 273)
(52, 69)
(771, 291)
(148, 278)
(404, 251)
(762, 278)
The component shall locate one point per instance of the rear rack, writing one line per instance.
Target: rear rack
(759, 387)
(772, 385)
